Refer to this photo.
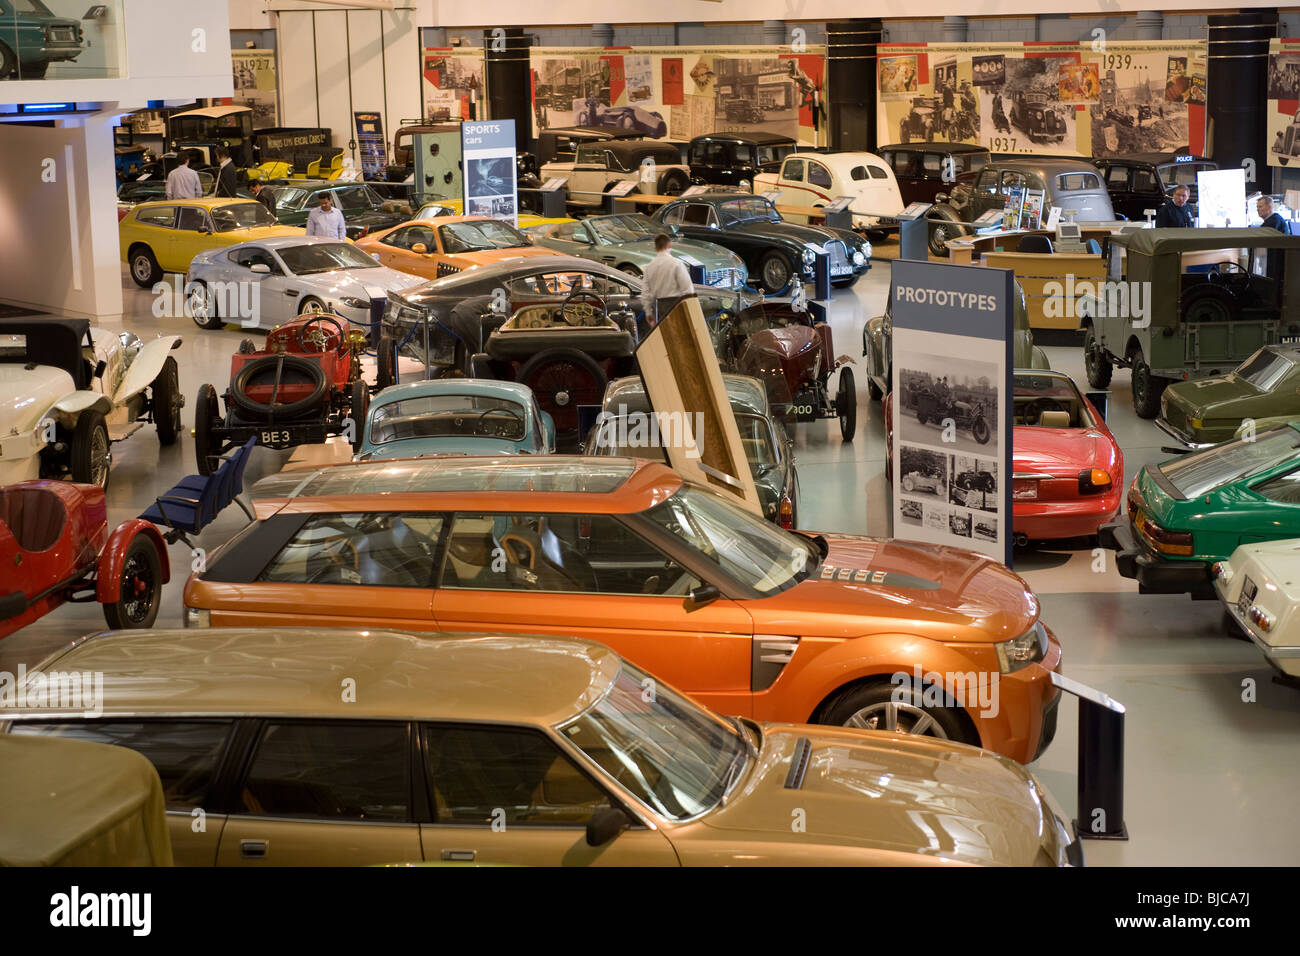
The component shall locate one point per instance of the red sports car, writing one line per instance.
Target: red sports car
(1067, 469)
(55, 546)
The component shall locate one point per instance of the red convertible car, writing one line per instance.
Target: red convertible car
(1067, 469)
(55, 546)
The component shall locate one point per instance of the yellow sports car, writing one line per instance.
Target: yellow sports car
(166, 234)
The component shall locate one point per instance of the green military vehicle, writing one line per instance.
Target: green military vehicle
(1167, 317)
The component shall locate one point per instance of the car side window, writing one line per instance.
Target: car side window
(164, 216)
(356, 197)
(478, 773)
(932, 164)
(696, 214)
(673, 214)
(248, 258)
(333, 770)
(988, 181)
(185, 753)
(743, 154)
(401, 238)
(1283, 488)
(590, 554)
(590, 156)
(1144, 181)
(374, 550)
(819, 175)
(1117, 176)
(192, 219)
(793, 170)
(1011, 180)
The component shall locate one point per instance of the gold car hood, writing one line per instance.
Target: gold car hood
(883, 792)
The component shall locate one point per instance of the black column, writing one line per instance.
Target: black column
(851, 82)
(1236, 75)
(509, 93)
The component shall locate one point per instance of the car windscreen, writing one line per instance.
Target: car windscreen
(289, 197)
(739, 543)
(444, 416)
(1202, 472)
(1036, 394)
(245, 215)
(665, 749)
(1265, 369)
(473, 236)
(325, 257)
(1183, 174)
(1077, 182)
(747, 210)
(623, 228)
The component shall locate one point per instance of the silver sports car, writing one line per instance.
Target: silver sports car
(264, 283)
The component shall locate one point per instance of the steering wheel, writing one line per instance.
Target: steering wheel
(322, 340)
(1033, 410)
(478, 424)
(575, 314)
(1234, 268)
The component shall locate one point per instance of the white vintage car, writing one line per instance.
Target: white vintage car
(1259, 586)
(65, 397)
(655, 168)
(818, 179)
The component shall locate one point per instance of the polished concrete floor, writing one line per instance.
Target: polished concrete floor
(1210, 778)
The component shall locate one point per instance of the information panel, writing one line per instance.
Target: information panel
(370, 143)
(488, 151)
(952, 404)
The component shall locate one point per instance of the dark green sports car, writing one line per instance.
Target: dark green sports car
(1203, 412)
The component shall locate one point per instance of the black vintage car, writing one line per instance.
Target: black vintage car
(921, 119)
(776, 252)
(733, 159)
(1034, 115)
(924, 170)
(563, 327)
(1141, 181)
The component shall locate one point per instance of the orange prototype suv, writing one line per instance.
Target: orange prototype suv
(748, 618)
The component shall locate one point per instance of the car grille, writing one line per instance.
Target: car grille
(445, 269)
(839, 257)
(724, 278)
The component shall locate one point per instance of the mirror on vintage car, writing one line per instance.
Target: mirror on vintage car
(606, 824)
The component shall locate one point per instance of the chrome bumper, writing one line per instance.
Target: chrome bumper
(1182, 439)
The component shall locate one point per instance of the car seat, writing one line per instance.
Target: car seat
(34, 515)
(539, 557)
(1054, 418)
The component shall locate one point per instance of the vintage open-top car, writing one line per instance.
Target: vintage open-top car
(55, 547)
(302, 387)
(65, 396)
(455, 416)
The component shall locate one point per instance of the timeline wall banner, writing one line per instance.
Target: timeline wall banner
(371, 145)
(1282, 104)
(452, 83)
(1086, 98)
(255, 85)
(488, 154)
(952, 405)
(681, 92)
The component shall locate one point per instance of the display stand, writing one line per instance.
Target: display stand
(837, 214)
(623, 187)
(914, 232)
(1100, 812)
(549, 201)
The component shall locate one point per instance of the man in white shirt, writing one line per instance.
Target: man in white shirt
(327, 221)
(665, 277)
(183, 182)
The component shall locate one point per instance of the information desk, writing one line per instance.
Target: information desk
(966, 250)
(1051, 297)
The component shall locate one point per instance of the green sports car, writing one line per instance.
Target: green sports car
(1203, 412)
(626, 242)
(1188, 513)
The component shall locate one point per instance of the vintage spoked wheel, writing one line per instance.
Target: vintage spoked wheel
(562, 380)
(385, 362)
(846, 404)
(141, 586)
(207, 416)
(980, 429)
(774, 273)
(90, 456)
(167, 402)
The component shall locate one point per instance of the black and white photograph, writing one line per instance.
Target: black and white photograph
(974, 483)
(755, 94)
(923, 473)
(490, 177)
(910, 513)
(1284, 76)
(952, 404)
(570, 91)
(1134, 114)
(986, 528)
(988, 70)
(1027, 105)
(959, 523)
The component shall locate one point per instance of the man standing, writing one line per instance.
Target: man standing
(227, 181)
(183, 182)
(263, 195)
(326, 221)
(666, 277)
(1175, 213)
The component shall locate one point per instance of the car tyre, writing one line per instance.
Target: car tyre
(145, 271)
(898, 708)
(1147, 389)
(200, 307)
(90, 455)
(1207, 303)
(1095, 363)
(207, 417)
(672, 183)
(311, 306)
(941, 230)
(167, 403)
(359, 411)
(774, 273)
(141, 586)
(8, 62)
(846, 404)
(386, 362)
(291, 363)
(550, 374)
(979, 429)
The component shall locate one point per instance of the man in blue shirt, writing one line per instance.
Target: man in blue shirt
(1175, 213)
(326, 221)
(1272, 220)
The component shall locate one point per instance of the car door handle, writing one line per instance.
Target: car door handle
(252, 849)
(291, 292)
(458, 856)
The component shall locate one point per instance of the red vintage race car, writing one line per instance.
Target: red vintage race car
(302, 387)
(55, 546)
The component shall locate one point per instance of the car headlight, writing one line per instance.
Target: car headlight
(809, 256)
(858, 258)
(355, 303)
(1022, 651)
(744, 184)
(865, 249)
(198, 617)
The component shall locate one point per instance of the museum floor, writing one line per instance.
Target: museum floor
(1210, 779)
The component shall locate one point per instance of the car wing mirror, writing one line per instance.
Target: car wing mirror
(261, 268)
(1098, 400)
(420, 249)
(606, 824)
(100, 367)
(702, 595)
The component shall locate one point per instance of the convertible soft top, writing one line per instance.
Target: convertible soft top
(1157, 242)
(53, 341)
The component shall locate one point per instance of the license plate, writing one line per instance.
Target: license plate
(1023, 489)
(841, 270)
(275, 438)
(1247, 596)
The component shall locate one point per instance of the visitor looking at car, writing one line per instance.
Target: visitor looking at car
(666, 277)
(263, 195)
(227, 182)
(183, 182)
(1175, 213)
(326, 221)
